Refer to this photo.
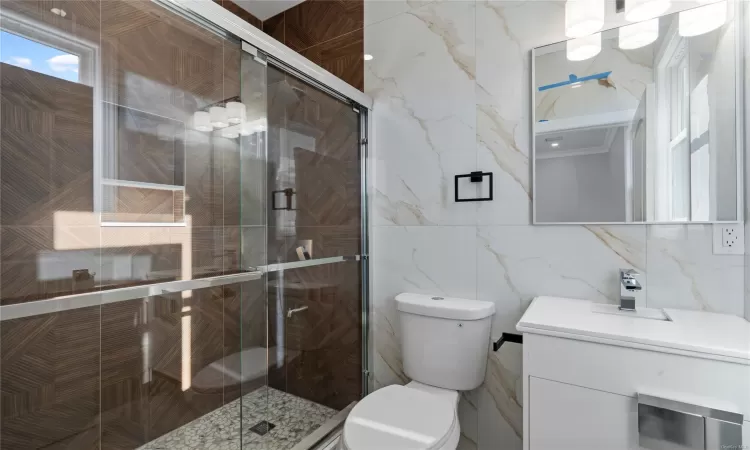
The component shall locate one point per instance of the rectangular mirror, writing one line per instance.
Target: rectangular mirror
(640, 124)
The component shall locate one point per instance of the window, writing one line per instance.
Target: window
(39, 47)
(674, 109)
(121, 198)
(32, 55)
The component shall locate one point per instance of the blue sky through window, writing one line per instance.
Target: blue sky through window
(32, 55)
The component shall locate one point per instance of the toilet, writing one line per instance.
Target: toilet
(444, 346)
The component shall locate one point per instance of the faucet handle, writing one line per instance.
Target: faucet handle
(629, 280)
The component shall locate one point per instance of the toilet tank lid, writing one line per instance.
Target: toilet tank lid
(444, 307)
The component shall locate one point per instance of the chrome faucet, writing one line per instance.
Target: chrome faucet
(629, 285)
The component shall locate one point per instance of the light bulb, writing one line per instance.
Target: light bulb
(202, 121)
(701, 20)
(583, 17)
(583, 48)
(640, 10)
(638, 34)
(218, 116)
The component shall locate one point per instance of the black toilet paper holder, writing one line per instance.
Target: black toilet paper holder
(507, 337)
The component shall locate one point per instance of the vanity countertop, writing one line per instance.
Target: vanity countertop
(700, 334)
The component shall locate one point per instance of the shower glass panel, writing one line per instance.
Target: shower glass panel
(180, 235)
(314, 220)
(131, 317)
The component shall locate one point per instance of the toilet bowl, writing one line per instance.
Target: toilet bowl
(415, 416)
(444, 347)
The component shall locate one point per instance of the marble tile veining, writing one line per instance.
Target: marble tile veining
(228, 428)
(451, 83)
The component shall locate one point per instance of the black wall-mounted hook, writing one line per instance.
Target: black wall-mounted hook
(507, 337)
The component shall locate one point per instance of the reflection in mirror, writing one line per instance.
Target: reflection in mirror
(638, 124)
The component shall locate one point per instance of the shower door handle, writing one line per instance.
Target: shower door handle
(288, 193)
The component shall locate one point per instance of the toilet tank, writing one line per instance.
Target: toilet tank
(445, 341)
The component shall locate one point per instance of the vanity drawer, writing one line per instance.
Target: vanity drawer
(568, 417)
(627, 371)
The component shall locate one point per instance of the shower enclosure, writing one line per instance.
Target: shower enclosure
(182, 240)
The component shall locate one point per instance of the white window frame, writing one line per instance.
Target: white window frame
(674, 56)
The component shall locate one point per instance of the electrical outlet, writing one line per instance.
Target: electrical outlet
(729, 239)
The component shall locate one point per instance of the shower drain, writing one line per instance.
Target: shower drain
(262, 427)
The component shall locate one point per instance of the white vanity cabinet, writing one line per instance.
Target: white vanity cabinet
(584, 371)
(568, 417)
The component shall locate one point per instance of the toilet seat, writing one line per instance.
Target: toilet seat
(399, 417)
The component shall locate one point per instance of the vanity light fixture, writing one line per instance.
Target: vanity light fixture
(583, 48)
(218, 116)
(246, 129)
(639, 34)
(236, 112)
(230, 133)
(583, 17)
(703, 19)
(249, 128)
(202, 121)
(640, 10)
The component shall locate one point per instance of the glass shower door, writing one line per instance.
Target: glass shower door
(251, 133)
(314, 243)
(129, 313)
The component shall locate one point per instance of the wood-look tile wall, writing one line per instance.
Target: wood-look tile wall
(327, 32)
(113, 377)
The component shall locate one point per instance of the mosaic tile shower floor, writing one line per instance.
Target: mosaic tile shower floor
(294, 417)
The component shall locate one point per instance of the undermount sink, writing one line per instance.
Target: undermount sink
(639, 313)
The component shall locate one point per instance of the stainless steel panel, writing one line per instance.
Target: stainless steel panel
(727, 416)
(665, 424)
(723, 435)
(665, 429)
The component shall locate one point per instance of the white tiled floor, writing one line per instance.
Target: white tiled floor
(228, 428)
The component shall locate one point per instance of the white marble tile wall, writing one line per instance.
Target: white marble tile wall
(451, 81)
